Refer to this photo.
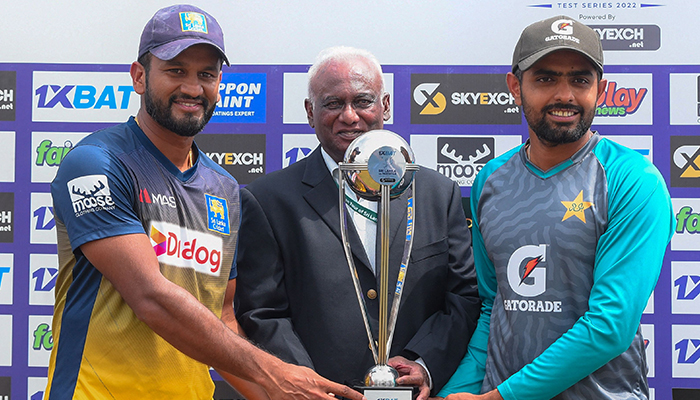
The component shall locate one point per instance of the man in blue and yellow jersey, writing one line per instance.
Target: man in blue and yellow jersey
(570, 232)
(147, 235)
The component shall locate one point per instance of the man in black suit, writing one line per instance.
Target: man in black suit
(295, 292)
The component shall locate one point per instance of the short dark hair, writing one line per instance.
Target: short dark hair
(145, 60)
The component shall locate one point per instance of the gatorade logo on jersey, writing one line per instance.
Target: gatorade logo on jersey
(431, 101)
(217, 214)
(576, 208)
(186, 248)
(527, 277)
(90, 193)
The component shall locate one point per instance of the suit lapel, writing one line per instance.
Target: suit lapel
(322, 196)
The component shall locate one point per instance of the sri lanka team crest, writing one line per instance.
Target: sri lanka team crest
(193, 22)
(217, 214)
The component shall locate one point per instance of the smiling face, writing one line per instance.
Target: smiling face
(558, 95)
(181, 93)
(347, 102)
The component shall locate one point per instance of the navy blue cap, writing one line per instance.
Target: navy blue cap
(175, 28)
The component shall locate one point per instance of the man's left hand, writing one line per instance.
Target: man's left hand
(411, 374)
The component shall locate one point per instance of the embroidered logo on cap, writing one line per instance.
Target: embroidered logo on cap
(193, 22)
(563, 27)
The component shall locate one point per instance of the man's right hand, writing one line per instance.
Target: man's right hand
(296, 382)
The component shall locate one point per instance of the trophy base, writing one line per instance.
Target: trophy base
(387, 393)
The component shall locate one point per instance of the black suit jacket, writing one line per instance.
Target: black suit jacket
(295, 296)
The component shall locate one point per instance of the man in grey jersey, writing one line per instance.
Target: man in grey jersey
(562, 225)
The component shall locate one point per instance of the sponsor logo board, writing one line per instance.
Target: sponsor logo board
(462, 99)
(649, 309)
(8, 88)
(684, 99)
(7, 274)
(83, 97)
(5, 388)
(43, 271)
(685, 342)
(687, 234)
(7, 217)
(297, 146)
(649, 346)
(48, 150)
(7, 157)
(42, 229)
(36, 387)
(241, 155)
(243, 98)
(40, 339)
(685, 161)
(224, 391)
(685, 394)
(629, 37)
(685, 287)
(460, 157)
(296, 90)
(5, 341)
(627, 100)
(642, 144)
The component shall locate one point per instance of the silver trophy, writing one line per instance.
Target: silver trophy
(380, 166)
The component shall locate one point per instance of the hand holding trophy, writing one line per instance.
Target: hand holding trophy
(380, 166)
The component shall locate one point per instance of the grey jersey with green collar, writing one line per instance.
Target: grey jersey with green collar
(566, 261)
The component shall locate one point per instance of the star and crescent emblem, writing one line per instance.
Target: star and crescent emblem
(576, 208)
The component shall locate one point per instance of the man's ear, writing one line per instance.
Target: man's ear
(308, 105)
(602, 84)
(514, 86)
(386, 102)
(138, 77)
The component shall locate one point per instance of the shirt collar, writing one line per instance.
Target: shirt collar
(330, 164)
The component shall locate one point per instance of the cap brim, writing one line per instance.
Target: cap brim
(170, 50)
(529, 61)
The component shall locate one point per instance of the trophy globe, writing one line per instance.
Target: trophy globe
(382, 156)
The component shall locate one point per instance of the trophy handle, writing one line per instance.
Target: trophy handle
(351, 265)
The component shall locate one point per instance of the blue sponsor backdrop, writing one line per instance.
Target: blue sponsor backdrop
(654, 109)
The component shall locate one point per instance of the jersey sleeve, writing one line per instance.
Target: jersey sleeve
(628, 262)
(93, 196)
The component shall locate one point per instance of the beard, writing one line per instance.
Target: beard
(554, 133)
(162, 113)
